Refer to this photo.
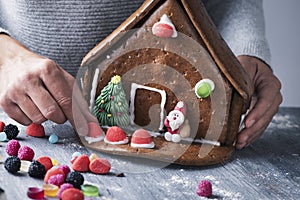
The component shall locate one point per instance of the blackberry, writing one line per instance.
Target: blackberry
(12, 164)
(36, 170)
(11, 131)
(75, 178)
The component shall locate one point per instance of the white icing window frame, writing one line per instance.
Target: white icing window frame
(163, 94)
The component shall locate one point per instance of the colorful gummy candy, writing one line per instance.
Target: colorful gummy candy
(53, 138)
(90, 190)
(35, 193)
(50, 190)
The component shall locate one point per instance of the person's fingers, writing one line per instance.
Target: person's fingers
(57, 82)
(249, 134)
(15, 113)
(30, 109)
(47, 106)
(82, 115)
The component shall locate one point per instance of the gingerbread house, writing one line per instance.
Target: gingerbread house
(163, 52)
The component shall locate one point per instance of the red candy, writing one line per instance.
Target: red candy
(51, 172)
(204, 189)
(81, 163)
(141, 136)
(95, 130)
(100, 166)
(62, 188)
(35, 193)
(2, 124)
(72, 194)
(163, 30)
(46, 161)
(13, 147)
(26, 153)
(35, 130)
(115, 134)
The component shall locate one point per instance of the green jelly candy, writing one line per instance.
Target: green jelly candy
(90, 190)
(204, 90)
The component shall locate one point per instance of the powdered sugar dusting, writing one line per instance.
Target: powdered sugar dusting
(282, 121)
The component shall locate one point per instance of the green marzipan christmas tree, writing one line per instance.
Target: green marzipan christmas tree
(111, 107)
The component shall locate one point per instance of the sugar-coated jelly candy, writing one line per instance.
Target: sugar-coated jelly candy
(35, 193)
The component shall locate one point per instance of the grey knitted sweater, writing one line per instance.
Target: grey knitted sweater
(65, 30)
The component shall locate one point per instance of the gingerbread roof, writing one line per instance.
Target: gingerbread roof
(198, 16)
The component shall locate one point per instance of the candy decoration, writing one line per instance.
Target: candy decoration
(142, 139)
(35, 130)
(112, 111)
(53, 138)
(176, 123)
(115, 135)
(93, 156)
(164, 28)
(50, 190)
(51, 172)
(100, 166)
(3, 137)
(12, 147)
(204, 88)
(95, 133)
(72, 193)
(204, 189)
(81, 163)
(2, 124)
(62, 188)
(46, 161)
(26, 153)
(35, 193)
(95, 130)
(90, 190)
(54, 162)
(25, 164)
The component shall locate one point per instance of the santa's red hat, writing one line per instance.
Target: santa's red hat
(181, 106)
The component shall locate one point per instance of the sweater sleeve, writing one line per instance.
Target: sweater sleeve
(3, 31)
(242, 25)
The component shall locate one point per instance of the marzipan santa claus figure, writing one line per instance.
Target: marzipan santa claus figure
(176, 123)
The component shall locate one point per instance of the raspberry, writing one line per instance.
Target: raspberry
(81, 163)
(62, 188)
(51, 172)
(204, 189)
(13, 147)
(100, 166)
(11, 131)
(12, 164)
(26, 153)
(2, 125)
(72, 193)
(35, 130)
(36, 170)
(46, 161)
(57, 179)
(115, 134)
(75, 178)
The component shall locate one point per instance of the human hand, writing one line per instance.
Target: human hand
(264, 103)
(34, 89)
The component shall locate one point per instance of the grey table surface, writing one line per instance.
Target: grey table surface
(267, 169)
